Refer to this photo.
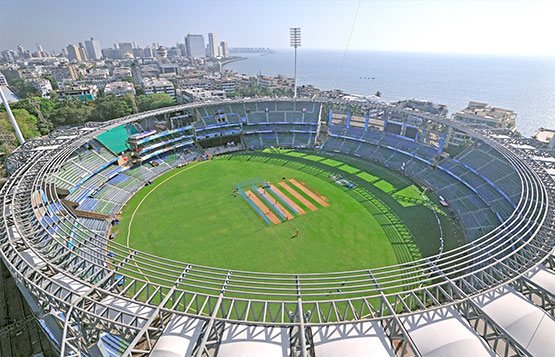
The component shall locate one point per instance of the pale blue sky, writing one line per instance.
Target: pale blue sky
(451, 26)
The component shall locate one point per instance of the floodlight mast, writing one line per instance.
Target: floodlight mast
(295, 36)
(18, 133)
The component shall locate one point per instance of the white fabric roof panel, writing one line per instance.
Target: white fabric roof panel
(124, 311)
(529, 325)
(544, 278)
(67, 284)
(351, 340)
(179, 337)
(254, 341)
(32, 259)
(444, 332)
(45, 148)
(544, 159)
(523, 146)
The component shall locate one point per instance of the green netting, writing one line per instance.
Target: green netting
(116, 139)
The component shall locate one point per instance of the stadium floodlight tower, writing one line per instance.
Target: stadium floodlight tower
(18, 133)
(295, 36)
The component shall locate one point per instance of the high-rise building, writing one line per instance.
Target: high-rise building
(109, 53)
(224, 48)
(73, 53)
(40, 52)
(183, 49)
(161, 52)
(64, 73)
(125, 49)
(9, 55)
(195, 46)
(138, 52)
(82, 52)
(148, 52)
(174, 52)
(213, 46)
(93, 49)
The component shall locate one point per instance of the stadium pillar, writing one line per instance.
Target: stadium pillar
(348, 123)
(441, 143)
(330, 117)
(366, 119)
(18, 133)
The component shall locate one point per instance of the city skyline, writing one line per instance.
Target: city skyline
(515, 28)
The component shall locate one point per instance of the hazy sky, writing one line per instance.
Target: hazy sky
(453, 26)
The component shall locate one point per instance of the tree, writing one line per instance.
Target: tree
(70, 112)
(27, 124)
(22, 88)
(52, 82)
(110, 107)
(35, 103)
(154, 101)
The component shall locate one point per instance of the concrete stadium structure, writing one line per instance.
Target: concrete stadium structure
(494, 295)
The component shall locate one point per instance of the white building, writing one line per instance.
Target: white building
(161, 85)
(169, 69)
(213, 46)
(422, 106)
(73, 53)
(119, 88)
(65, 73)
(224, 49)
(228, 85)
(98, 73)
(121, 72)
(482, 115)
(43, 86)
(94, 52)
(195, 46)
(267, 82)
(546, 136)
(125, 49)
(195, 94)
(81, 92)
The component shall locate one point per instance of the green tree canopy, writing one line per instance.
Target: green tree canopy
(70, 112)
(110, 107)
(27, 123)
(22, 88)
(154, 101)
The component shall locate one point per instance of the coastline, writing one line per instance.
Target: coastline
(232, 60)
(444, 79)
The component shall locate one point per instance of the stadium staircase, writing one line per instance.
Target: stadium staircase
(73, 208)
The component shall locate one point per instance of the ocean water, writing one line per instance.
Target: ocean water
(525, 85)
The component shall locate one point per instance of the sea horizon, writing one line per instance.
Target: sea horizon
(525, 84)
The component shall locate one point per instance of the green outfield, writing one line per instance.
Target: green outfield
(193, 214)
